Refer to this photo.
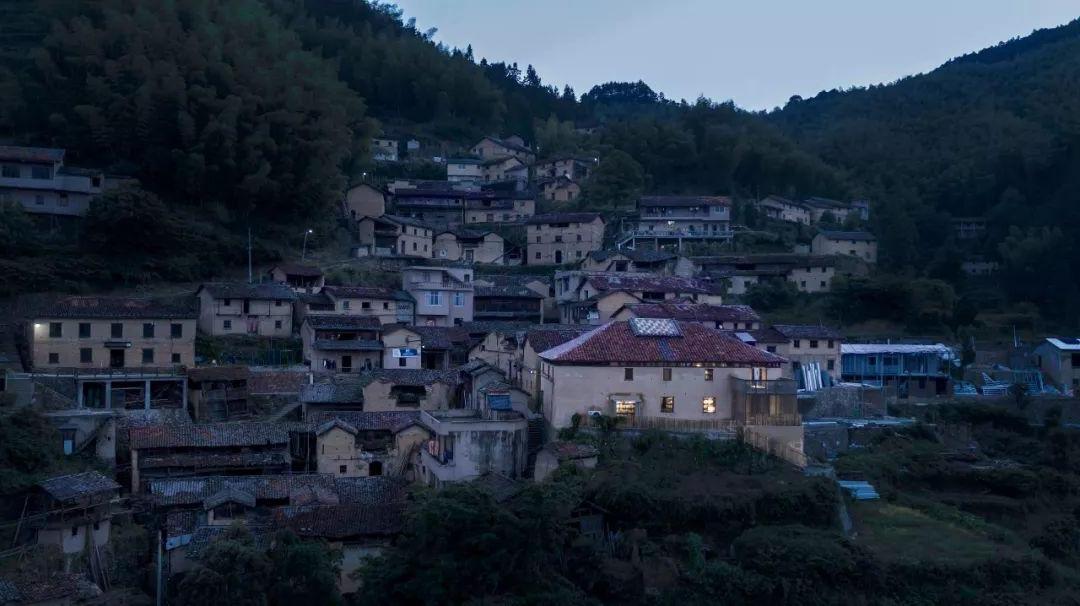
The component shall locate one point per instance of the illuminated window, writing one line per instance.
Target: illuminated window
(708, 405)
(625, 408)
(708, 374)
(667, 404)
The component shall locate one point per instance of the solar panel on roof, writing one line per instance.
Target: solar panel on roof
(655, 327)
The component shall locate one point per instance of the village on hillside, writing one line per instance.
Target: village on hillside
(503, 321)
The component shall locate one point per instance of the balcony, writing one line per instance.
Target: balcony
(764, 402)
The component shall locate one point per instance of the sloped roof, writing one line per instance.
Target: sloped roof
(209, 435)
(507, 144)
(768, 335)
(261, 459)
(637, 256)
(368, 421)
(441, 337)
(618, 342)
(229, 494)
(78, 485)
(334, 422)
(266, 291)
(782, 200)
(367, 292)
(276, 381)
(47, 155)
(296, 269)
(338, 322)
(700, 312)
(807, 331)
(563, 218)
(828, 203)
(633, 282)
(341, 521)
(107, 307)
(684, 201)
(503, 286)
(543, 337)
(296, 488)
(371, 490)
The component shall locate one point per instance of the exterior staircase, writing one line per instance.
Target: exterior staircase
(537, 429)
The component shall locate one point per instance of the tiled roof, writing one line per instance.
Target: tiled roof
(267, 291)
(402, 220)
(296, 269)
(368, 421)
(824, 203)
(341, 521)
(441, 337)
(754, 260)
(781, 200)
(204, 536)
(295, 488)
(180, 522)
(313, 298)
(372, 490)
(107, 307)
(332, 423)
(509, 145)
(616, 342)
(347, 345)
(544, 337)
(78, 485)
(229, 494)
(634, 282)
(564, 218)
(274, 381)
(503, 286)
(684, 201)
(480, 328)
(498, 487)
(194, 460)
(366, 292)
(218, 373)
(346, 389)
(807, 331)
(848, 235)
(129, 419)
(768, 335)
(637, 256)
(336, 322)
(209, 435)
(47, 155)
(700, 312)
(414, 376)
(54, 588)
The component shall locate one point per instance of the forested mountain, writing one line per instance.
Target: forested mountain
(995, 133)
(261, 110)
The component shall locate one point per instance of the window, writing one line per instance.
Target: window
(176, 358)
(434, 297)
(537, 239)
(802, 284)
(11, 171)
(176, 330)
(86, 355)
(343, 469)
(770, 348)
(63, 199)
(277, 324)
(796, 343)
(147, 355)
(414, 247)
(708, 374)
(39, 200)
(871, 361)
(74, 531)
(459, 299)
(148, 330)
(386, 305)
(667, 374)
(538, 255)
(625, 408)
(823, 283)
(117, 330)
(227, 325)
(402, 361)
(40, 172)
(831, 364)
(708, 405)
(628, 374)
(667, 404)
(54, 358)
(56, 330)
(277, 303)
(345, 305)
(831, 344)
(558, 238)
(577, 254)
(84, 330)
(579, 238)
(813, 344)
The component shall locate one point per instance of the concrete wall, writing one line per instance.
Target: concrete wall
(364, 201)
(68, 346)
(806, 354)
(575, 242)
(863, 249)
(264, 318)
(578, 389)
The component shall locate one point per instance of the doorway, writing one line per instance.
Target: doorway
(116, 358)
(346, 363)
(558, 257)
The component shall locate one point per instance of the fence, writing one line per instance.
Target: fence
(679, 425)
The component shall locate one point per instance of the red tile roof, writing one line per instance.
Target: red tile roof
(208, 435)
(695, 312)
(645, 283)
(617, 343)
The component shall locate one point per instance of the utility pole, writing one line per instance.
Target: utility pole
(250, 280)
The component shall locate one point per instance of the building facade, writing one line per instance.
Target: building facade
(443, 295)
(860, 244)
(238, 308)
(38, 179)
(558, 238)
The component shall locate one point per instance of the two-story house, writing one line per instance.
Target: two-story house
(1059, 359)
(470, 246)
(238, 308)
(392, 236)
(684, 216)
(595, 297)
(506, 297)
(493, 147)
(820, 207)
(443, 295)
(782, 209)
(575, 169)
(557, 238)
(659, 372)
(559, 189)
(812, 351)
(722, 317)
(340, 343)
(390, 306)
(110, 332)
(38, 179)
(464, 170)
(641, 260)
(911, 369)
(860, 244)
(384, 150)
(809, 273)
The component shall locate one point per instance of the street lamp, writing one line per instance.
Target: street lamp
(303, 256)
